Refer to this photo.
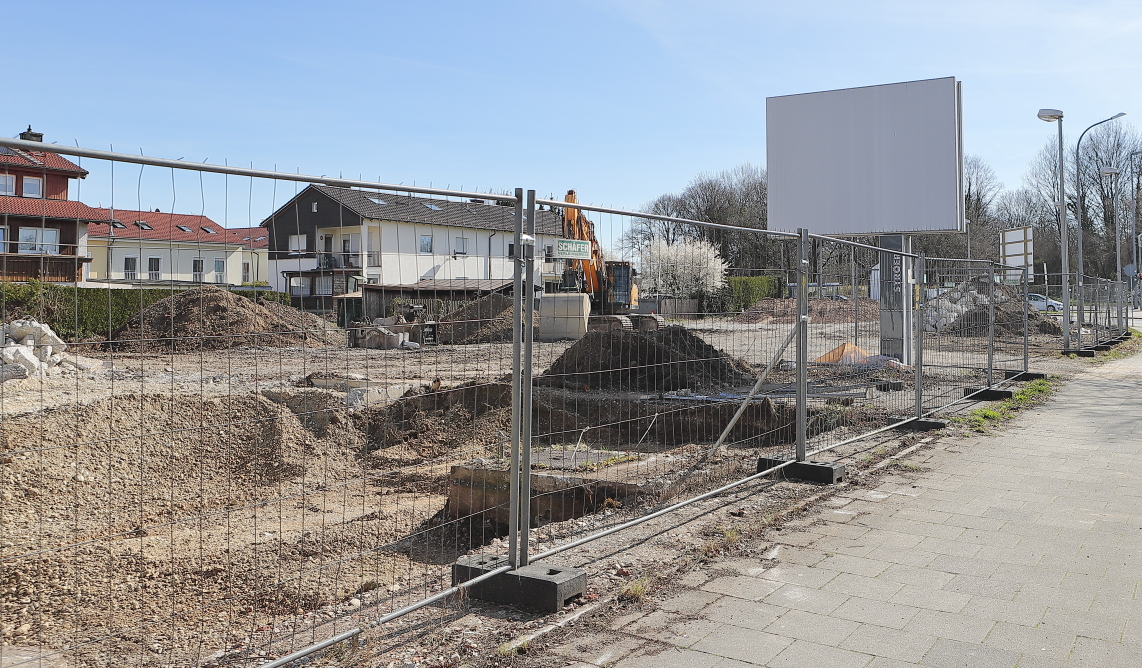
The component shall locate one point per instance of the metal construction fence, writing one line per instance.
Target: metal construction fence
(216, 479)
(1100, 309)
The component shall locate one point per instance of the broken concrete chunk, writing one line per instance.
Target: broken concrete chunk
(13, 372)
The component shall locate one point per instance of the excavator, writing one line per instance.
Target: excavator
(610, 284)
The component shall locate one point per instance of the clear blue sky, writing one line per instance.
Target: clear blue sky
(620, 100)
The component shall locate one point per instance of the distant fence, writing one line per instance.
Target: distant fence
(231, 482)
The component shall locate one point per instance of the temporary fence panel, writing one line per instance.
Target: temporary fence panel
(213, 473)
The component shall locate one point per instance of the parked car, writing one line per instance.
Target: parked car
(1044, 303)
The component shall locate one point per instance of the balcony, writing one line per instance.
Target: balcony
(21, 267)
(339, 260)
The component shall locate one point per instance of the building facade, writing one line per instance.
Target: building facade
(329, 241)
(43, 234)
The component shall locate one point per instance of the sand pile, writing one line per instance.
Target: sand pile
(669, 359)
(821, 310)
(486, 320)
(210, 318)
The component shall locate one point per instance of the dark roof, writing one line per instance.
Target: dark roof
(447, 213)
(40, 161)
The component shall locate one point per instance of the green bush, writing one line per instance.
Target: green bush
(85, 314)
(745, 291)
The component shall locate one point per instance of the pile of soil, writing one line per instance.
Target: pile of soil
(486, 320)
(210, 318)
(821, 311)
(669, 359)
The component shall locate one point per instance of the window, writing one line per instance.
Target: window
(184, 228)
(299, 286)
(219, 270)
(196, 269)
(130, 267)
(433, 207)
(245, 272)
(426, 243)
(313, 207)
(7, 184)
(143, 225)
(461, 247)
(207, 230)
(260, 239)
(376, 200)
(154, 268)
(38, 241)
(33, 186)
(324, 285)
(117, 225)
(297, 243)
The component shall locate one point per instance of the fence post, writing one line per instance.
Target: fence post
(1026, 332)
(918, 321)
(528, 341)
(517, 387)
(802, 342)
(990, 323)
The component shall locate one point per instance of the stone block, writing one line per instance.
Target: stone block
(546, 588)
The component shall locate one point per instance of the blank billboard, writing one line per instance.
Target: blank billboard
(862, 161)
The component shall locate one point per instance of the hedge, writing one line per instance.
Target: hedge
(85, 314)
(745, 291)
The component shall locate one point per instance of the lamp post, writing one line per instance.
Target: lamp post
(1050, 115)
(1134, 235)
(1113, 172)
(1081, 211)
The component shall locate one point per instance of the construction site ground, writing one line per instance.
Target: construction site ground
(92, 471)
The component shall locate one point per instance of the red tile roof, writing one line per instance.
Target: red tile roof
(34, 207)
(164, 227)
(40, 161)
(251, 237)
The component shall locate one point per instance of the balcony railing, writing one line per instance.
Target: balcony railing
(338, 260)
(48, 268)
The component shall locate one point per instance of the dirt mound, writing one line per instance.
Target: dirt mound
(669, 359)
(486, 320)
(210, 318)
(821, 310)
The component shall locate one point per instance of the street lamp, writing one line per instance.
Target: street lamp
(1052, 115)
(1113, 172)
(1134, 235)
(1081, 211)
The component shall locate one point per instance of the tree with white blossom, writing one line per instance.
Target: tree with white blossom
(686, 268)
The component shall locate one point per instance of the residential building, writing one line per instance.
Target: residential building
(151, 248)
(327, 240)
(43, 234)
(255, 254)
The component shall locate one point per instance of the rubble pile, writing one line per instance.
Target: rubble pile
(965, 310)
(30, 348)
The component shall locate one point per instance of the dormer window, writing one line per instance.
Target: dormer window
(207, 230)
(33, 186)
(184, 228)
(117, 225)
(143, 225)
(7, 184)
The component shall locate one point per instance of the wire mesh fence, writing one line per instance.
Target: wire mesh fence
(241, 443)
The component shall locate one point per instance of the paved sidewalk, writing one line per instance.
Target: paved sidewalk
(1019, 549)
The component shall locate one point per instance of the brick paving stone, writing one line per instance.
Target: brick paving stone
(804, 654)
(889, 643)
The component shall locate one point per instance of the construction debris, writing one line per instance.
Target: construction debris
(210, 318)
(850, 354)
(31, 346)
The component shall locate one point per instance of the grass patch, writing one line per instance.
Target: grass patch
(635, 590)
(727, 539)
(1031, 394)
